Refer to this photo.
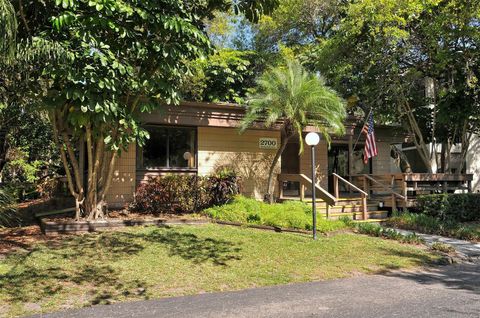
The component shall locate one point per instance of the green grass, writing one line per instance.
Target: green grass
(431, 225)
(152, 262)
(290, 214)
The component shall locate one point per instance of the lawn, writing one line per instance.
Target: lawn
(153, 262)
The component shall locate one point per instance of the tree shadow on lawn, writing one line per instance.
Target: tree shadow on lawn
(197, 250)
(85, 262)
(458, 276)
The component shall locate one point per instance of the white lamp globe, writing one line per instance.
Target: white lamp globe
(312, 139)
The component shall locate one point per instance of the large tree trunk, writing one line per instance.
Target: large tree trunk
(415, 131)
(466, 140)
(90, 203)
(287, 132)
(269, 195)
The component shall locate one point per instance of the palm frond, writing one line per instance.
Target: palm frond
(8, 25)
(291, 94)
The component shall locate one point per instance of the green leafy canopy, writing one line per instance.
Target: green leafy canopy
(124, 60)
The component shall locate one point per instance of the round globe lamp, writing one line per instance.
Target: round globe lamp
(312, 139)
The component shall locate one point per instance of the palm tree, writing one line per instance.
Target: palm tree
(294, 98)
(8, 25)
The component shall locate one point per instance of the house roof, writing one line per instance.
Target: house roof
(221, 114)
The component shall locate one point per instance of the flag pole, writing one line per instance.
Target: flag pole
(360, 134)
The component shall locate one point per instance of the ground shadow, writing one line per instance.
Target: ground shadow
(193, 248)
(457, 276)
(85, 261)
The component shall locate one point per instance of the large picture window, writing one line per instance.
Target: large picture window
(168, 148)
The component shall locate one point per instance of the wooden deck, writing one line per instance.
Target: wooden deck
(364, 194)
(401, 189)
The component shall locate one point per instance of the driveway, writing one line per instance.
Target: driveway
(449, 291)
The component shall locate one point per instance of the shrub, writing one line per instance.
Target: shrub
(8, 209)
(290, 214)
(184, 193)
(461, 207)
(374, 229)
(433, 225)
(442, 247)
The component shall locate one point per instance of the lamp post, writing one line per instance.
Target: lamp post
(312, 139)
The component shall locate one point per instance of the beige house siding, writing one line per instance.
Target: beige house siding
(321, 160)
(225, 147)
(473, 162)
(123, 183)
(383, 163)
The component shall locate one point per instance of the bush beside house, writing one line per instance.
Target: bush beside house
(184, 193)
(462, 207)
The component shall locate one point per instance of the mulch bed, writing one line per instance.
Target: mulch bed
(115, 219)
(12, 239)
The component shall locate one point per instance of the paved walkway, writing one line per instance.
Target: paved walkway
(464, 248)
(448, 291)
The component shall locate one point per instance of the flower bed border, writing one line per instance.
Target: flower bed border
(70, 227)
(50, 227)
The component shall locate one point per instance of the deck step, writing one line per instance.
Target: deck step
(371, 221)
(357, 216)
(357, 213)
(318, 200)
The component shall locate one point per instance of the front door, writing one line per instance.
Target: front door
(291, 165)
(338, 162)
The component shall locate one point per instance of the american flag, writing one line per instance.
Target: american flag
(370, 146)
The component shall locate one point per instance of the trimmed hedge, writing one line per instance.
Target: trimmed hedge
(461, 207)
(184, 193)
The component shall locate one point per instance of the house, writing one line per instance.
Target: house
(203, 138)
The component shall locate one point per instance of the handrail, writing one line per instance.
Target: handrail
(350, 184)
(364, 194)
(386, 187)
(327, 197)
(303, 179)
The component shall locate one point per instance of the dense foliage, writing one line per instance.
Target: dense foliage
(461, 207)
(414, 62)
(184, 193)
(8, 209)
(29, 151)
(292, 215)
(225, 76)
(113, 60)
(433, 225)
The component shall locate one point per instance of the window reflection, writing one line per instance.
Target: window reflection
(167, 147)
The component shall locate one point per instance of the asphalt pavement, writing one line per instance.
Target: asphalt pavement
(447, 291)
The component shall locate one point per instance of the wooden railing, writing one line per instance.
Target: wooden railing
(351, 186)
(304, 183)
(387, 188)
(403, 188)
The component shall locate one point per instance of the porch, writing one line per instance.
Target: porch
(369, 196)
(400, 190)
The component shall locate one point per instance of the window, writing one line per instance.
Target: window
(168, 147)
